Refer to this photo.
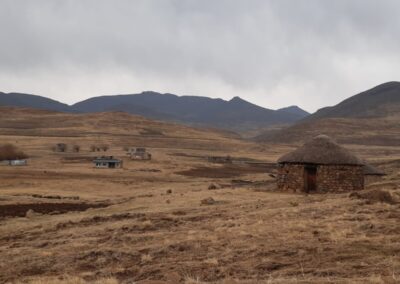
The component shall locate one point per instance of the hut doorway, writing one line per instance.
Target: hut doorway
(310, 178)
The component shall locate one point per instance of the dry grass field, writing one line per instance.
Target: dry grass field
(161, 221)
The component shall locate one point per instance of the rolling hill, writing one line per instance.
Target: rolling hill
(119, 128)
(380, 101)
(235, 114)
(371, 117)
(31, 101)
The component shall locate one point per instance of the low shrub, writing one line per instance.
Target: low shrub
(10, 152)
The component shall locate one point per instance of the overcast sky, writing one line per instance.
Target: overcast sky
(274, 53)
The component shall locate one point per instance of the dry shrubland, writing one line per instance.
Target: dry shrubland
(10, 152)
(146, 223)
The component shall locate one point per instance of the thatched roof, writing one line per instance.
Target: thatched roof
(321, 150)
(370, 170)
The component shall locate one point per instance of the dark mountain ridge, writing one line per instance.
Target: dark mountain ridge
(236, 114)
(370, 117)
(199, 109)
(374, 102)
(295, 110)
(32, 101)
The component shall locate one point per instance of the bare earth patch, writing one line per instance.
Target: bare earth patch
(20, 210)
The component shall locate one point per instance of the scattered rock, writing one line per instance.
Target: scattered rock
(272, 175)
(212, 187)
(169, 191)
(52, 196)
(374, 196)
(355, 195)
(168, 201)
(367, 226)
(42, 244)
(30, 213)
(173, 277)
(208, 201)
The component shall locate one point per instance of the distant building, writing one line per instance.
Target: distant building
(15, 162)
(139, 153)
(320, 165)
(19, 162)
(107, 162)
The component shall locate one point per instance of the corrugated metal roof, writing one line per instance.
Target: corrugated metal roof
(106, 160)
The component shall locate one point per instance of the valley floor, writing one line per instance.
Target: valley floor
(158, 222)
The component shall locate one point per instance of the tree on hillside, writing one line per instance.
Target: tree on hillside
(10, 152)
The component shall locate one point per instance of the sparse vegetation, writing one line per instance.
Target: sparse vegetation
(10, 152)
(76, 148)
(99, 148)
(104, 147)
(61, 147)
(147, 223)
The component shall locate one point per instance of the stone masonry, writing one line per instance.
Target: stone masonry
(329, 178)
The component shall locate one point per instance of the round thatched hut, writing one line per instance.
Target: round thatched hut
(320, 165)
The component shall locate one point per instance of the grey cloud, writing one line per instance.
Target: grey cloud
(274, 53)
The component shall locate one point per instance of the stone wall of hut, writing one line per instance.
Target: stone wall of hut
(339, 178)
(329, 178)
(290, 177)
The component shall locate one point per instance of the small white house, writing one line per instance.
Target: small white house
(16, 162)
(19, 162)
(107, 163)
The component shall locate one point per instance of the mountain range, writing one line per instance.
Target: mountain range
(235, 114)
(376, 102)
(370, 117)
(31, 101)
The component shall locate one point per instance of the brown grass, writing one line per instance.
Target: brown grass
(69, 280)
(156, 228)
